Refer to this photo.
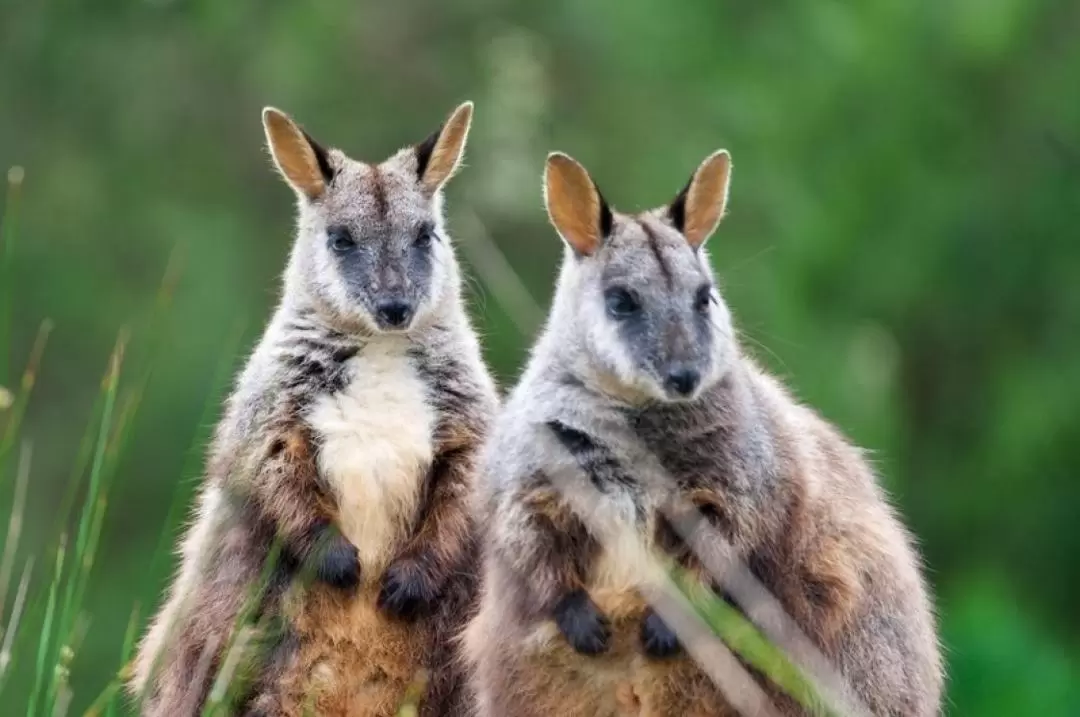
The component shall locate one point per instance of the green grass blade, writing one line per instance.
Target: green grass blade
(81, 465)
(746, 641)
(15, 414)
(46, 632)
(92, 514)
(244, 640)
(414, 693)
(7, 657)
(8, 224)
(112, 380)
(106, 701)
(162, 302)
(15, 522)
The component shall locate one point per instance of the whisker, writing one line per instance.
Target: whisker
(749, 337)
(775, 337)
(742, 334)
(749, 259)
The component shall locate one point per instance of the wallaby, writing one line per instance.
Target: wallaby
(639, 357)
(348, 445)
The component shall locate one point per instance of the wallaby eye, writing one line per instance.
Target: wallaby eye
(424, 237)
(621, 303)
(702, 299)
(340, 239)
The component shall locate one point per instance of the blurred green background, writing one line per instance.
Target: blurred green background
(902, 245)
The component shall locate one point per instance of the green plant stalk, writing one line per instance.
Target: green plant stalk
(162, 302)
(225, 685)
(112, 380)
(82, 463)
(105, 464)
(414, 693)
(15, 523)
(113, 451)
(8, 225)
(125, 658)
(46, 632)
(26, 386)
(7, 658)
(743, 637)
(88, 521)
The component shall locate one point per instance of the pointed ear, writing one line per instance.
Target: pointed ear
(574, 204)
(439, 156)
(303, 163)
(699, 207)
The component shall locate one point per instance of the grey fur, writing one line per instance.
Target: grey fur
(799, 504)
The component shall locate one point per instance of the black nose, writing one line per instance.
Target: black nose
(682, 381)
(393, 313)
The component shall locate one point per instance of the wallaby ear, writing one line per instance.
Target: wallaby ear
(699, 207)
(303, 163)
(574, 204)
(439, 156)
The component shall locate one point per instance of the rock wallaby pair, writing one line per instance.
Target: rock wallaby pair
(373, 528)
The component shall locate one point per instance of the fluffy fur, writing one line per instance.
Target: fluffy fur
(616, 384)
(350, 441)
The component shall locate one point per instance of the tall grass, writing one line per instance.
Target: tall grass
(45, 639)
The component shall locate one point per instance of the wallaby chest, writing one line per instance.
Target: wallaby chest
(616, 506)
(375, 447)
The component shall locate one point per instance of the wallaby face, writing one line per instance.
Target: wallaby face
(647, 310)
(370, 250)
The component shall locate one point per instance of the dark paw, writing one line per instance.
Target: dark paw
(657, 639)
(581, 623)
(407, 590)
(338, 563)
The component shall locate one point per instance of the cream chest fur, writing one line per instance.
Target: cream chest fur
(376, 446)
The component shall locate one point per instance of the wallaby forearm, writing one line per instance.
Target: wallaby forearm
(544, 547)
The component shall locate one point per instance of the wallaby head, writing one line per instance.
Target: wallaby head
(370, 250)
(636, 292)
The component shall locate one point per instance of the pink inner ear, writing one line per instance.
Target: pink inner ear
(446, 155)
(294, 155)
(573, 203)
(706, 198)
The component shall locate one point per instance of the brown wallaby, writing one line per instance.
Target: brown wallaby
(639, 358)
(349, 441)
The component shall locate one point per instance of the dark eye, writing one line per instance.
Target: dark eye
(340, 239)
(702, 299)
(424, 237)
(621, 303)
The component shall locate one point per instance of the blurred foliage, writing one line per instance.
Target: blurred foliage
(902, 244)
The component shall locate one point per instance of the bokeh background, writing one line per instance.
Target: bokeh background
(902, 246)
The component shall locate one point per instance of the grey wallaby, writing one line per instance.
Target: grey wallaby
(639, 357)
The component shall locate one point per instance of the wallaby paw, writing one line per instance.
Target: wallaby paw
(580, 622)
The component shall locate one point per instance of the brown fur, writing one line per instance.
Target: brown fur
(353, 660)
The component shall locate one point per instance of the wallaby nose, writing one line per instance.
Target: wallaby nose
(393, 313)
(682, 381)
